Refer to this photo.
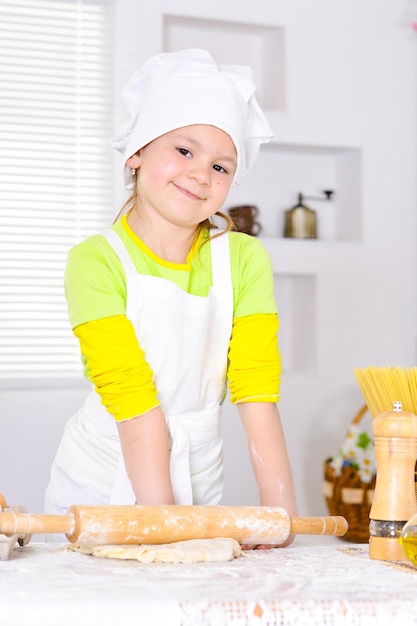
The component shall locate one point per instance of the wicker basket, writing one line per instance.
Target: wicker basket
(348, 496)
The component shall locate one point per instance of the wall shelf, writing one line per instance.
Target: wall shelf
(282, 171)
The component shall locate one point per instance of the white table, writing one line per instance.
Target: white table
(324, 585)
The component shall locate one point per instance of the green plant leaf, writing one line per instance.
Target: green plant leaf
(363, 441)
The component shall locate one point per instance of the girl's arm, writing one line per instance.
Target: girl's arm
(144, 441)
(124, 381)
(269, 457)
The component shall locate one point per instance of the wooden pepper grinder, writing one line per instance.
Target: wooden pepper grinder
(394, 501)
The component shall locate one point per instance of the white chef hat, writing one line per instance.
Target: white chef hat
(177, 89)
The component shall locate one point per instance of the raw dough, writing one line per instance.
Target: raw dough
(192, 551)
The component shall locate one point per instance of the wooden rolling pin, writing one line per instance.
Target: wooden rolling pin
(127, 524)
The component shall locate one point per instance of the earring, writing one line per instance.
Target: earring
(131, 185)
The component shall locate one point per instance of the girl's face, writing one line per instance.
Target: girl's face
(185, 175)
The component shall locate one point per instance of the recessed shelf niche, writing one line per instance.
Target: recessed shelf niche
(259, 46)
(296, 301)
(282, 171)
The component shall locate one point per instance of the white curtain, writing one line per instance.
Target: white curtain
(56, 168)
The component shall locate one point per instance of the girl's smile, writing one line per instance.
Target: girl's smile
(187, 193)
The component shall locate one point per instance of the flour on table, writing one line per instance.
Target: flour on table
(192, 551)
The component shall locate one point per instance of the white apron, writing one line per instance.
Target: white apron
(185, 339)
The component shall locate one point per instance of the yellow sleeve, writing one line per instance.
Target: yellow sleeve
(117, 367)
(254, 360)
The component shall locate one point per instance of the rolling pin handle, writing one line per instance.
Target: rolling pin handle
(335, 525)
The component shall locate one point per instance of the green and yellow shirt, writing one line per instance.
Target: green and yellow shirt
(95, 287)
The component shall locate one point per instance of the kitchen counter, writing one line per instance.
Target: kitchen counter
(305, 584)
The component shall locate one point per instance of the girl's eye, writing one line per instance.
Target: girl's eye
(220, 168)
(184, 152)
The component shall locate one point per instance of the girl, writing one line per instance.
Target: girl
(167, 306)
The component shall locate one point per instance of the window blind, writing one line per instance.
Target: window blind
(55, 168)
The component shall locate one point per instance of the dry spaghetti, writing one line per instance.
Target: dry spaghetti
(382, 386)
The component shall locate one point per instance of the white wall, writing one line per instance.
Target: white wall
(31, 425)
(350, 80)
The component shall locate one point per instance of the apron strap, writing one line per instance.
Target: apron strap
(220, 261)
(119, 247)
